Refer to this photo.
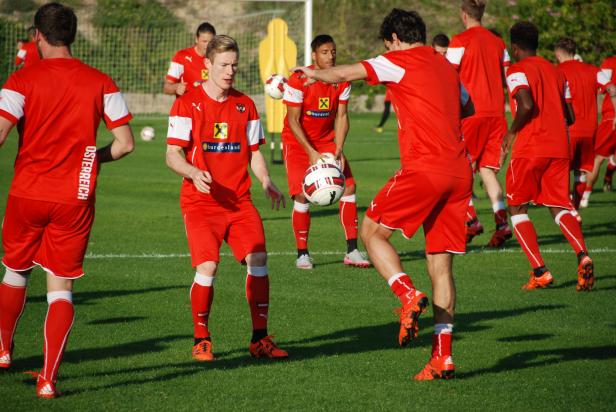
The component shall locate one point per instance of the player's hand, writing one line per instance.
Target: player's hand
(181, 89)
(307, 73)
(201, 179)
(314, 157)
(340, 158)
(273, 193)
(506, 147)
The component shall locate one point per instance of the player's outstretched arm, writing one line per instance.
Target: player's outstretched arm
(259, 168)
(5, 129)
(176, 161)
(123, 143)
(336, 74)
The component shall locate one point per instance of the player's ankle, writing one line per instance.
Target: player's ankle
(539, 271)
(301, 252)
(351, 245)
(258, 334)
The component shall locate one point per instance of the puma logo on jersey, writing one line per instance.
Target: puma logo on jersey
(189, 58)
(197, 106)
(372, 206)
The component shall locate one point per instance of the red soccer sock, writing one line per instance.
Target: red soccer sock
(58, 323)
(527, 237)
(348, 216)
(301, 224)
(401, 285)
(579, 187)
(12, 302)
(201, 298)
(471, 213)
(572, 230)
(257, 294)
(441, 340)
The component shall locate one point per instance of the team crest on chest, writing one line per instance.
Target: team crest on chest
(204, 74)
(221, 131)
(323, 103)
(240, 107)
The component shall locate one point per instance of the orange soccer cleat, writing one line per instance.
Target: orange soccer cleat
(539, 282)
(409, 317)
(202, 351)
(266, 348)
(500, 236)
(44, 388)
(440, 367)
(586, 277)
(473, 228)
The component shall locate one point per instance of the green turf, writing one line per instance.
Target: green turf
(130, 346)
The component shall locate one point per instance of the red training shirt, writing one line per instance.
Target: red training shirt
(28, 54)
(187, 67)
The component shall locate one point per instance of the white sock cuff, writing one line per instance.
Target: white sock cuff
(204, 280)
(517, 219)
(15, 279)
(59, 295)
(470, 202)
(443, 328)
(612, 160)
(496, 206)
(560, 216)
(348, 199)
(580, 179)
(258, 271)
(301, 207)
(395, 277)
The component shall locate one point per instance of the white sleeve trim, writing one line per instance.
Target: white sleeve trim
(346, 94)
(175, 70)
(12, 102)
(115, 106)
(603, 77)
(454, 55)
(385, 70)
(567, 91)
(293, 95)
(254, 132)
(179, 128)
(608, 73)
(506, 57)
(21, 53)
(516, 80)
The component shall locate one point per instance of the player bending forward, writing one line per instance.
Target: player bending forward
(539, 169)
(214, 134)
(433, 186)
(50, 209)
(317, 123)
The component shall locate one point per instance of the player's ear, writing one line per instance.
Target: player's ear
(208, 64)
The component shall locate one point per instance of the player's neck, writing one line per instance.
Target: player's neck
(55, 52)
(469, 24)
(214, 92)
(197, 52)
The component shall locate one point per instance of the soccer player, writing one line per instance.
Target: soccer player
(440, 42)
(584, 82)
(317, 122)
(605, 143)
(214, 134)
(27, 53)
(480, 56)
(187, 69)
(50, 208)
(434, 184)
(539, 168)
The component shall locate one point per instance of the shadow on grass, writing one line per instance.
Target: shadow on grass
(597, 288)
(526, 338)
(88, 297)
(111, 321)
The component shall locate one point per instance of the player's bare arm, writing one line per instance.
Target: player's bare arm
(5, 128)
(341, 129)
(293, 116)
(525, 107)
(174, 88)
(336, 74)
(611, 92)
(259, 168)
(569, 114)
(177, 162)
(123, 143)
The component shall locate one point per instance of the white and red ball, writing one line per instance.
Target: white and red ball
(147, 133)
(274, 86)
(331, 159)
(323, 184)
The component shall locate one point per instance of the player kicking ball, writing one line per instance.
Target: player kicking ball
(433, 186)
(316, 123)
(214, 135)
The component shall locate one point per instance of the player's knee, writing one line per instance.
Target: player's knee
(368, 230)
(257, 259)
(57, 283)
(207, 268)
(16, 278)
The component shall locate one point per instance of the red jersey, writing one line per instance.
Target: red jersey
(187, 67)
(584, 81)
(217, 137)
(319, 105)
(479, 56)
(608, 67)
(545, 135)
(59, 104)
(425, 90)
(28, 54)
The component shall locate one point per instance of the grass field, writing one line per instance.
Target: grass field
(130, 346)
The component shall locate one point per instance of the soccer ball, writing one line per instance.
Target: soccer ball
(331, 159)
(323, 184)
(274, 86)
(147, 133)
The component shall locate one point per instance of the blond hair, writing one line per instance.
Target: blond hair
(474, 8)
(221, 44)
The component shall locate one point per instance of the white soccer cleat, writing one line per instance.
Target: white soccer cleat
(584, 203)
(357, 259)
(304, 262)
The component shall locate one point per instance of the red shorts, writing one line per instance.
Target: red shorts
(438, 202)
(296, 162)
(605, 141)
(541, 180)
(51, 235)
(241, 228)
(582, 153)
(484, 137)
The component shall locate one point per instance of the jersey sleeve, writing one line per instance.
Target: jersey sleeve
(567, 92)
(21, 56)
(516, 80)
(294, 91)
(176, 69)
(115, 109)
(603, 79)
(254, 130)
(455, 52)
(179, 132)
(12, 99)
(382, 70)
(345, 95)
